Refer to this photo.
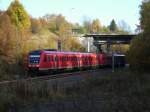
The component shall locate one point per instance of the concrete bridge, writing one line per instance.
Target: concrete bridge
(109, 39)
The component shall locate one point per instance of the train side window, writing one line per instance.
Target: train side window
(62, 58)
(90, 58)
(67, 58)
(52, 59)
(56, 58)
(45, 58)
(75, 59)
(78, 59)
(71, 58)
(48, 59)
(87, 59)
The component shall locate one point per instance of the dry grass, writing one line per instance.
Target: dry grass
(121, 91)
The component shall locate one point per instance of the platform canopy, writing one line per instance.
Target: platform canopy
(111, 38)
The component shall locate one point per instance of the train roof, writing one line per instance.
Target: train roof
(38, 52)
(35, 52)
(60, 52)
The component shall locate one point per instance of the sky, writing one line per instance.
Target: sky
(77, 11)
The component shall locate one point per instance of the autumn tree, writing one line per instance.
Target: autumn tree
(78, 29)
(75, 45)
(21, 20)
(19, 16)
(61, 27)
(35, 25)
(96, 26)
(6, 37)
(54, 22)
(64, 33)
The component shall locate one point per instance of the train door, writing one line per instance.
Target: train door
(78, 60)
(60, 61)
(51, 62)
(55, 61)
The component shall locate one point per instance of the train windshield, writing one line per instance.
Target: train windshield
(34, 57)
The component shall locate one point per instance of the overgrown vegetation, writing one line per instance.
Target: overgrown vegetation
(11, 71)
(120, 91)
(139, 54)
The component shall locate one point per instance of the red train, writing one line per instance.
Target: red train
(45, 60)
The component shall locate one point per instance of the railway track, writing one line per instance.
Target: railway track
(48, 77)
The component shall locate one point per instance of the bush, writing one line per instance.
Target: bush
(139, 55)
(10, 71)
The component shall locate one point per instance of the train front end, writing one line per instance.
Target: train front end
(34, 60)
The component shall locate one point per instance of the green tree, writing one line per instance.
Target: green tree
(113, 26)
(144, 19)
(18, 15)
(105, 30)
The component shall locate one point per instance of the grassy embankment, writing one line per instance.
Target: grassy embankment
(121, 91)
(10, 71)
